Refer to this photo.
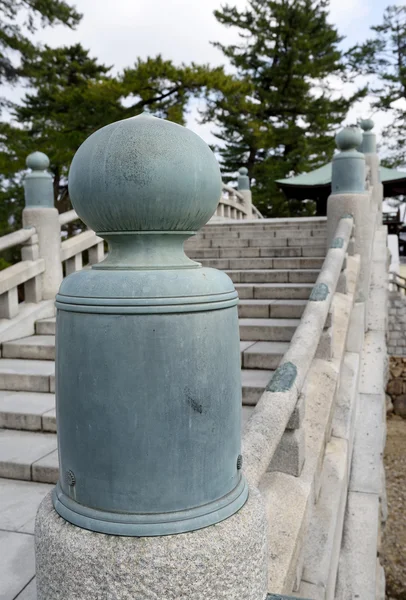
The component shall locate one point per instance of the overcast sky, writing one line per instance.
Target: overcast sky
(118, 31)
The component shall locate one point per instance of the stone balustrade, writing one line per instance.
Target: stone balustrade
(151, 475)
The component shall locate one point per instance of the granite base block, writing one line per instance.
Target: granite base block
(227, 560)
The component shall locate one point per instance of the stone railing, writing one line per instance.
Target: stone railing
(237, 204)
(28, 273)
(283, 397)
(149, 390)
(72, 249)
(397, 282)
(28, 288)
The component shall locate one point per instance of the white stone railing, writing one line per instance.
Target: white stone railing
(27, 273)
(237, 205)
(73, 249)
(31, 270)
(279, 401)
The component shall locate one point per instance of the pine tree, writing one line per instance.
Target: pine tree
(72, 96)
(383, 57)
(281, 119)
(13, 36)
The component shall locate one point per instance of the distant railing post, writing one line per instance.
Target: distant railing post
(245, 190)
(39, 212)
(349, 196)
(148, 389)
(368, 147)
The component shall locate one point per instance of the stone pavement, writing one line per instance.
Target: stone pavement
(19, 502)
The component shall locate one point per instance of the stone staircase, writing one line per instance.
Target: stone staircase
(273, 264)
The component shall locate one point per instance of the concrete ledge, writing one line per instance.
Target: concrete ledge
(366, 471)
(357, 570)
(289, 499)
(325, 530)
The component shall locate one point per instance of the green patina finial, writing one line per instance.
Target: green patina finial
(243, 179)
(141, 176)
(349, 138)
(38, 183)
(348, 172)
(368, 145)
(366, 124)
(37, 161)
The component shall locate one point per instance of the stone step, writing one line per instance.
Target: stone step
(33, 456)
(45, 326)
(264, 355)
(41, 347)
(266, 224)
(255, 252)
(270, 233)
(28, 455)
(269, 330)
(274, 291)
(273, 276)
(253, 384)
(262, 263)
(274, 309)
(254, 242)
(35, 412)
(27, 375)
(258, 230)
(28, 411)
(300, 234)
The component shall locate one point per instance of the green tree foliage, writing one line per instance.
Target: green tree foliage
(72, 96)
(383, 58)
(280, 116)
(31, 14)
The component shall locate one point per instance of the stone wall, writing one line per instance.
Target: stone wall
(397, 384)
(397, 324)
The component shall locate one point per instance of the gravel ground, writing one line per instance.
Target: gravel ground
(394, 537)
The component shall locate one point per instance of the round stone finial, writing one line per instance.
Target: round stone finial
(243, 171)
(144, 174)
(349, 138)
(367, 124)
(37, 161)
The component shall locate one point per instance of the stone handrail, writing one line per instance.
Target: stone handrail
(232, 205)
(16, 238)
(72, 249)
(271, 416)
(28, 272)
(393, 280)
(68, 217)
(256, 213)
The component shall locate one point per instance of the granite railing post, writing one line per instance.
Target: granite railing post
(151, 500)
(39, 212)
(349, 196)
(368, 148)
(244, 189)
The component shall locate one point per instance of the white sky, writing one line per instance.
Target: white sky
(119, 31)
